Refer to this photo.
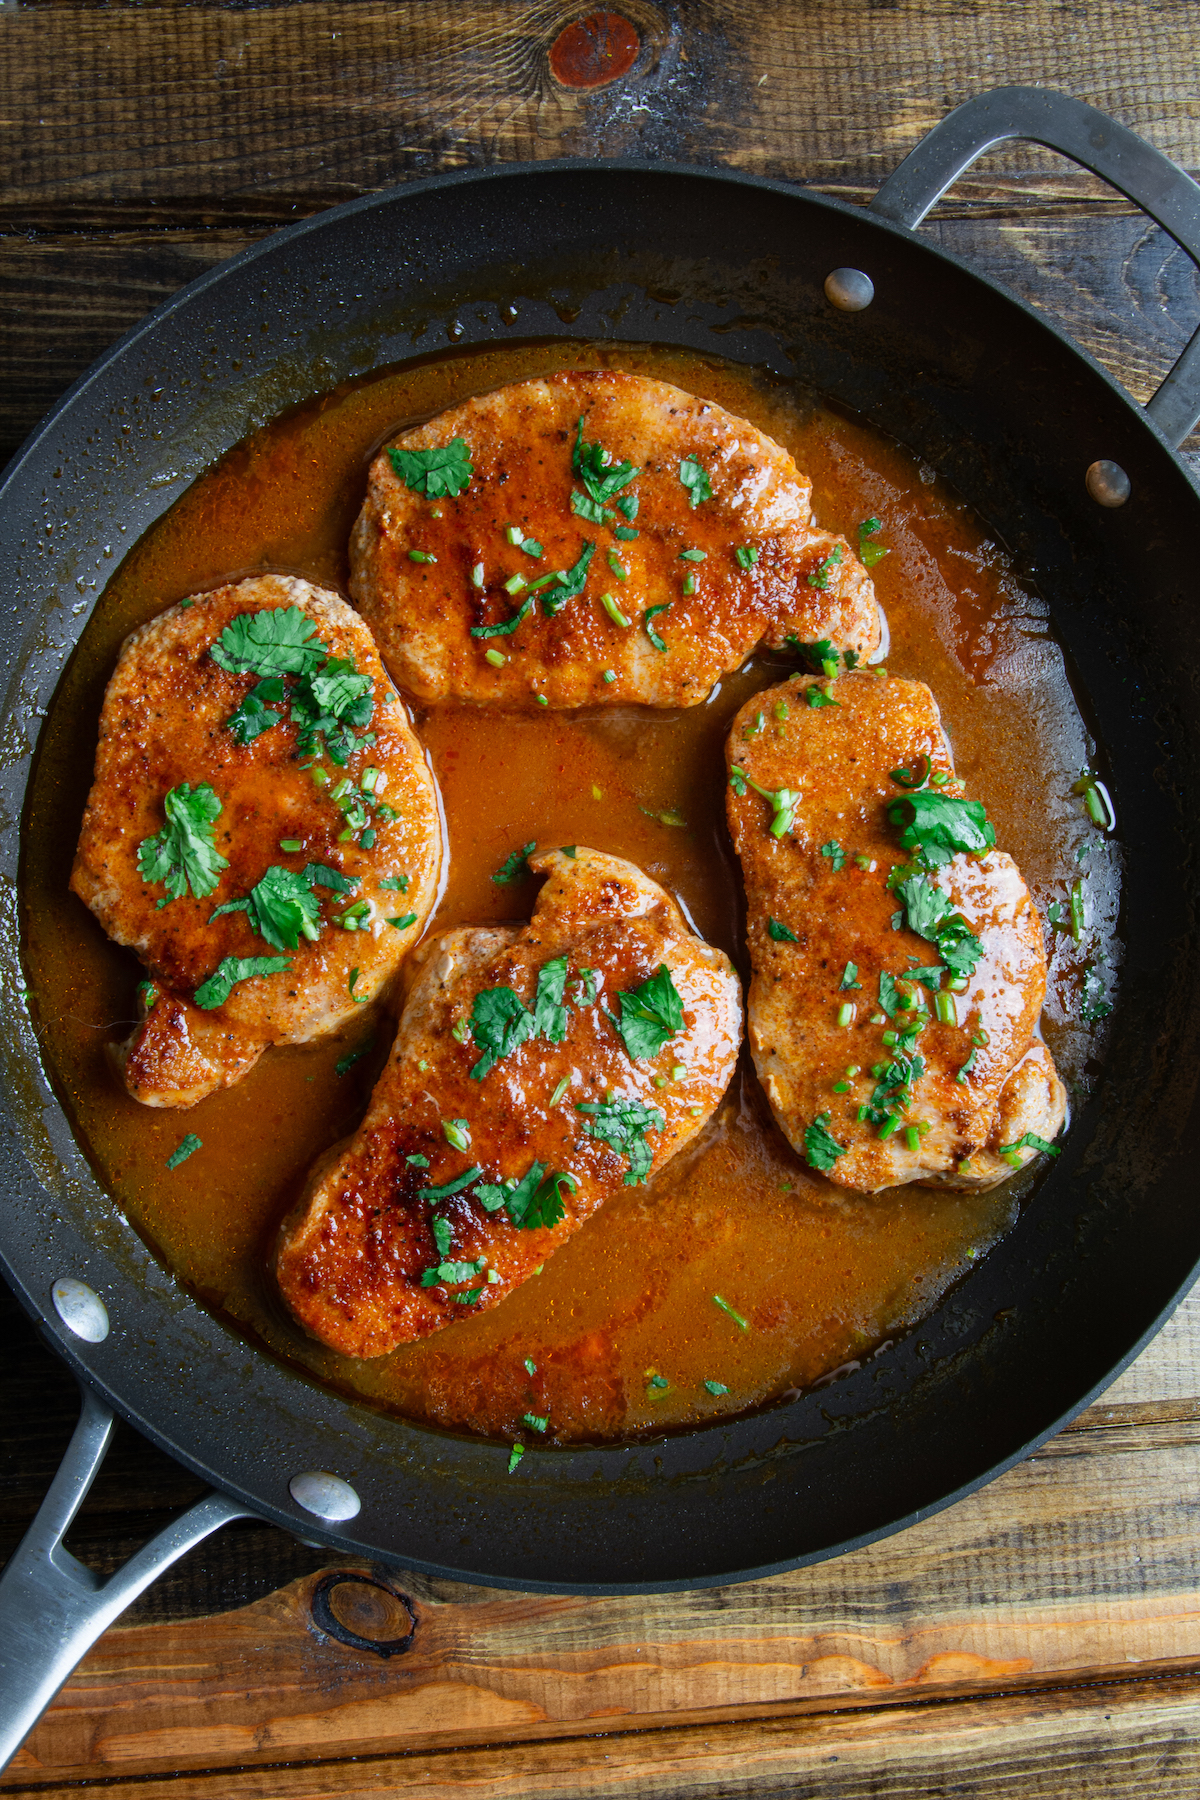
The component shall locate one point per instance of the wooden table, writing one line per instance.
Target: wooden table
(1042, 1637)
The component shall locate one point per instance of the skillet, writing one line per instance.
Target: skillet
(1088, 494)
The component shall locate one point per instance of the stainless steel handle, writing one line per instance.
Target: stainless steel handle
(52, 1607)
(1089, 138)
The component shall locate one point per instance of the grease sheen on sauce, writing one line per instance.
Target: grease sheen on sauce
(821, 1276)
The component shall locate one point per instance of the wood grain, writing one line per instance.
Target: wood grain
(1077, 1565)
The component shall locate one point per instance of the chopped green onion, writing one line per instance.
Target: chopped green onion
(735, 1316)
(530, 1366)
(889, 1125)
(689, 585)
(515, 583)
(1077, 921)
(944, 1007)
(846, 1011)
(457, 1133)
(514, 1456)
(747, 555)
(912, 1138)
(610, 674)
(651, 633)
(421, 556)
(404, 923)
(514, 534)
(693, 555)
(560, 1090)
(497, 658)
(538, 1424)
(613, 610)
(477, 576)
(617, 566)
(290, 844)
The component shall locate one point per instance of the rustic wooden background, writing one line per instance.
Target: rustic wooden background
(1041, 1638)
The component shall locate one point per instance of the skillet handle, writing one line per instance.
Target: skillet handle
(1043, 116)
(52, 1607)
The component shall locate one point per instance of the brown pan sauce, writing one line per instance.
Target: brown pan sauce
(821, 1277)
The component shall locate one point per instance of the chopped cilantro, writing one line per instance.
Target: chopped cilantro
(254, 716)
(333, 705)
(780, 933)
(395, 884)
(530, 1366)
(277, 640)
(600, 473)
(622, 1124)
(509, 625)
(869, 552)
(929, 913)
(416, 1161)
(448, 1188)
(849, 977)
(187, 1146)
(317, 875)
(821, 655)
(566, 583)
(819, 578)
(816, 695)
(536, 1202)
(515, 866)
(1095, 1003)
(821, 1150)
(183, 854)
(584, 507)
(232, 969)
(347, 1062)
(403, 921)
(659, 1382)
(938, 825)
(837, 856)
(694, 477)
(650, 1014)
(279, 908)
(434, 473)
(443, 1234)
(628, 504)
(625, 532)
(716, 1387)
(889, 994)
(452, 1274)
(500, 1021)
(651, 633)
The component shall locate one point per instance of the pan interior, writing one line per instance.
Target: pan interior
(619, 1336)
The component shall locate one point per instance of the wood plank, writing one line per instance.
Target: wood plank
(149, 102)
(1069, 1568)
(1121, 1740)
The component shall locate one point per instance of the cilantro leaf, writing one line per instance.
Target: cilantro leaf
(623, 1124)
(452, 1274)
(183, 854)
(278, 640)
(535, 1204)
(317, 875)
(822, 655)
(568, 582)
(443, 1233)
(232, 969)
(507, 626)
(929, 913)
(888, 993)
(600, 473)
(515, 866)
(694, 477)
(254, 716)
(449, 1188)
(279, 907)
(780, 933)
(823, 572)
(650, 1014)
(347, 1062)
(930, 977)
(549, 1013)
(1030, 1141)
(499, 1023)
(188, 1146)
(591, 510)
(434, 473)
(869, 552)
(837, 856)
(333, 704)
(849, 977)
(941, 822)
(821, 1150)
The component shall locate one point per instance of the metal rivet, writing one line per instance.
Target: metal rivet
(325, 1496)
(81, 1309)
(1108, 484)
(849, 290)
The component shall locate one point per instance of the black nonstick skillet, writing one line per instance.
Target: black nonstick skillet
(1086, 490)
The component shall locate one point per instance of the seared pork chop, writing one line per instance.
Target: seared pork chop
(537, 1070)
(594, 538)
(899, 968)
(262, 829)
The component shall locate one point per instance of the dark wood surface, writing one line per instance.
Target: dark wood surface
(1042, 1637)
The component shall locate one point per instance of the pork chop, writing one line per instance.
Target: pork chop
(262, 829)
(538, 1069)
(898, 962)
(594, 538)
